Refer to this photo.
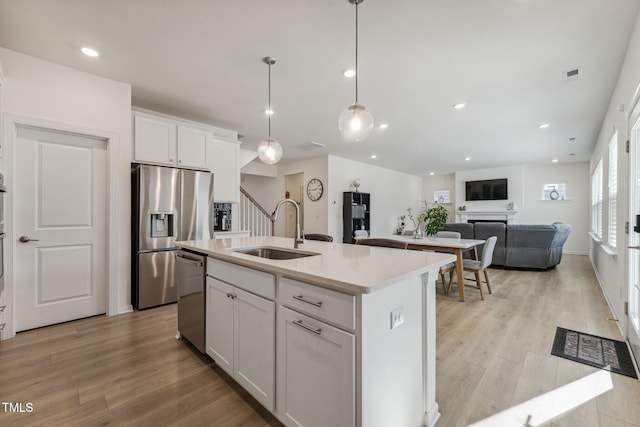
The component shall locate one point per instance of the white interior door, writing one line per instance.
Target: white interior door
(60, 226)
(633, 324)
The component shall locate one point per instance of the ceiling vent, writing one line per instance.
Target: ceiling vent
(311, 146)
(572, 75)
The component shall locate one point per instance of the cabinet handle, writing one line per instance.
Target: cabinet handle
(232, 296)
(308, 301)
(2, 325)
(171, 160)
(317, 331)
(2, 307)
(194, 262)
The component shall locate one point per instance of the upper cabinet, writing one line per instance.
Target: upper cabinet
(226, 174)
(154, 140)
(194, 147)
(165, 140)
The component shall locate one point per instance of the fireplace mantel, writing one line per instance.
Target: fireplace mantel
(508, 216)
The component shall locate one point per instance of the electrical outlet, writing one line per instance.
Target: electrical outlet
(397, 317)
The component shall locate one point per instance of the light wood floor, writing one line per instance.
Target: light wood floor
(494, 354)
(130, 370)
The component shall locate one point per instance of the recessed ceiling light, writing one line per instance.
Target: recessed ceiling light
(432, 173)
(543, 125)
(89, 51)
(555, 160)
(384, 125)
(373, 156)
(268, 112)
(466, 159)
(349, 73)
(459, 106)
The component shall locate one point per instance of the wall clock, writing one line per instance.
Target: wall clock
(314, 189)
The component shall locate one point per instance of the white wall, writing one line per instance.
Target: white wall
(611, 269)
(42, 90)
(268, 191)
(442, 182)
(525, 191)
(392, 193)
(574, 210)
(515, 181)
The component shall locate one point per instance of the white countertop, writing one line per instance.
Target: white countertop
(348, 268)
(231, 232)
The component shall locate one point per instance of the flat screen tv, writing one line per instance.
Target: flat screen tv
(488, 189)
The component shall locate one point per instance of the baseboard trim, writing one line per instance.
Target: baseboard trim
(606, 298)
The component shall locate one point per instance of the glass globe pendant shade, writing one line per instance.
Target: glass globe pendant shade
(355, 123)
(269, 151)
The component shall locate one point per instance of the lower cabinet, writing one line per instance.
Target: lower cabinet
(315, 372)
(241, 338)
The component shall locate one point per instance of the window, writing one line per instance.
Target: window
(596, 200)
(613, 190)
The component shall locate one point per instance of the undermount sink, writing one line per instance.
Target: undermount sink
(269, 252)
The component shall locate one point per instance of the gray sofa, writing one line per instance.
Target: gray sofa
(523, 246)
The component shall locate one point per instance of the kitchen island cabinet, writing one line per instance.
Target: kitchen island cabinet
(355, 329)
(240, 326)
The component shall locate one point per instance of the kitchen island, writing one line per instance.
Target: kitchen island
(342, 335)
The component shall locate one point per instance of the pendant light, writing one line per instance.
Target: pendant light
(269, 150)
(355, 122)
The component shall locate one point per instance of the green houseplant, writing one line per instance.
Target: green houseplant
(433, 218)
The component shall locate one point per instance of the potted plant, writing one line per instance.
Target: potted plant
(433, 218)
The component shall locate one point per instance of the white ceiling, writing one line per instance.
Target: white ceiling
(202, 60)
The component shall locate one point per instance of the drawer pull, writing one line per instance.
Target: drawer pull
(307, 327)
(308, 301)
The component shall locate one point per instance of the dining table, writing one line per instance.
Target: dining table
(442, 244)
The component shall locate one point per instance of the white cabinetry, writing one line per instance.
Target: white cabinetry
(194, 147)
(240, 327)
(160, 140)
(316, 361)
(226, 180)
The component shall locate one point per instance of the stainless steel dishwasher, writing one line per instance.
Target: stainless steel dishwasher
(190, 278)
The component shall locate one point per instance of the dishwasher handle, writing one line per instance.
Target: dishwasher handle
(190, 261)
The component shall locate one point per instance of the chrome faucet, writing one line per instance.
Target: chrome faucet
(274, 216)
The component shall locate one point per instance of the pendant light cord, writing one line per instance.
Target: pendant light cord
(356, 53)
(270, 110)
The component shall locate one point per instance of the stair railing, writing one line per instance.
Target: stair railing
(253, 216)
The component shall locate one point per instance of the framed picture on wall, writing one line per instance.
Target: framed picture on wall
(442, 196)
(554, 191)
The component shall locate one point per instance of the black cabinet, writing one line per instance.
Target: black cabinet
(356, 214)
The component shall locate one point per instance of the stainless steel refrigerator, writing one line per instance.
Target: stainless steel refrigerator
(167, 205)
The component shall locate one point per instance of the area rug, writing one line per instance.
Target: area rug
(592, 350)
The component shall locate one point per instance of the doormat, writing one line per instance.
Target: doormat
(603, 353)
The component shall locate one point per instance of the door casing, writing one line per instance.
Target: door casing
(11, 124)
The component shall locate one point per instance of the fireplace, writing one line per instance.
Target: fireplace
(487, 216)
(473, 221)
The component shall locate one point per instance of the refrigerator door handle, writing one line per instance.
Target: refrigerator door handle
(187, 260)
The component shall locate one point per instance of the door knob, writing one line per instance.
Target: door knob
(25, 239)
